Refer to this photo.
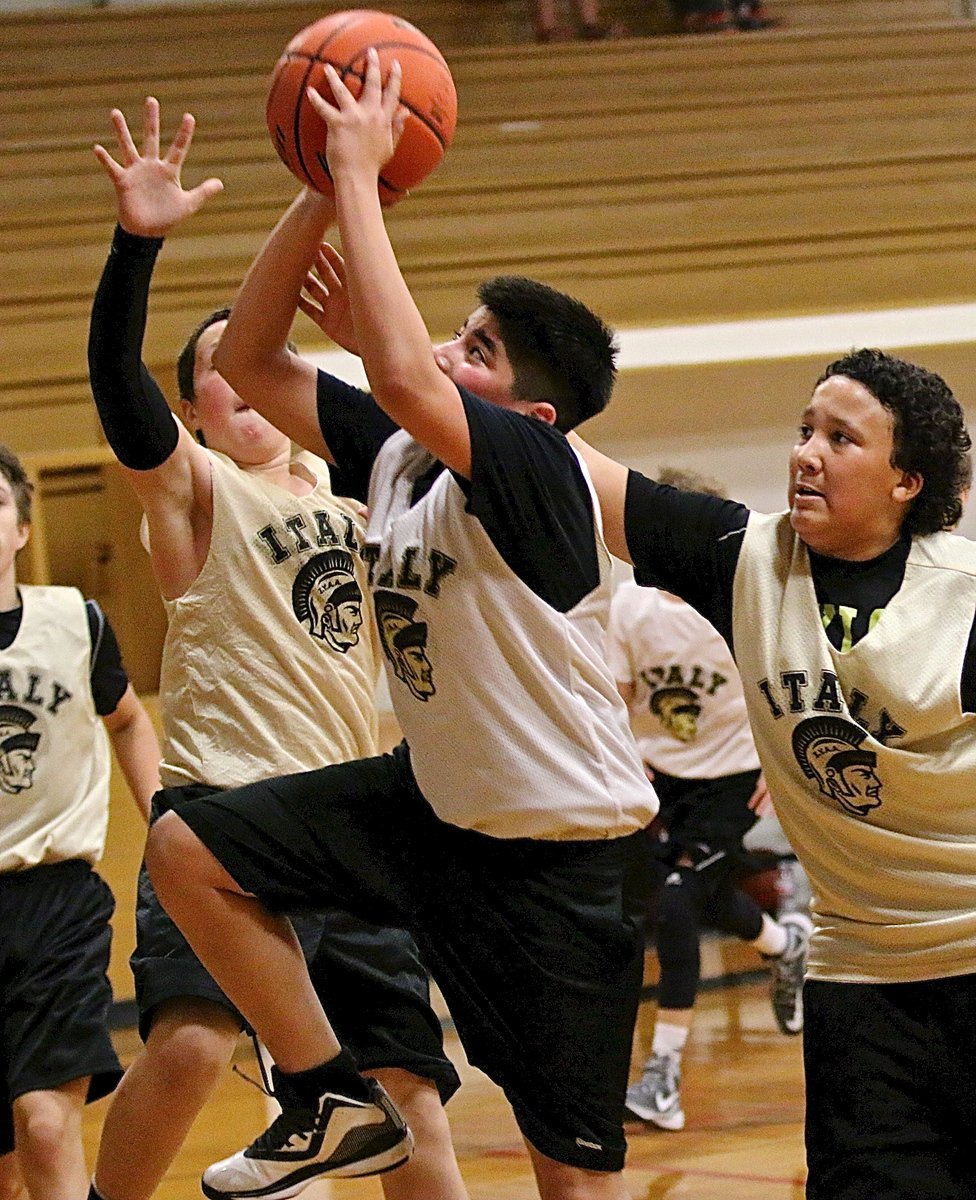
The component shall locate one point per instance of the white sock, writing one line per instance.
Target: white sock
(772, 939)
(669, 1039)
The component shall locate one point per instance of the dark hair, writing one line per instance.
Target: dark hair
(20, 485)
(188, 355)
(929, 428)
(560, 351)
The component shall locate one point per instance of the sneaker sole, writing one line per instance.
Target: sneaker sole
(379, 1164)
(672, 1122)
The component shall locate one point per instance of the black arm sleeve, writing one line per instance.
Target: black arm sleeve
(108, 677)
(686, 543)
(354, 428)
(135, 416)
(528, 491)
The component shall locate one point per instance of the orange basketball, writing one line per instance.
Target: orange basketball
(342, 39)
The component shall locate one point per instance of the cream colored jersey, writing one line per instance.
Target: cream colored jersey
(269, 664)
(54, 753)
(869, 755)
(688, 711)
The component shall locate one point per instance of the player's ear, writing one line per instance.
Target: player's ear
(190, 420)
(909, 487)
(543, 410)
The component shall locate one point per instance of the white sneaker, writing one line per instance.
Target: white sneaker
(655, 1097)
(339, 1138)
(787, 972)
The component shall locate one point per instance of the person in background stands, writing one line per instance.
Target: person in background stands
(689, 715)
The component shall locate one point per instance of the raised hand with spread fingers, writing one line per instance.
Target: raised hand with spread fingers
(150, 196)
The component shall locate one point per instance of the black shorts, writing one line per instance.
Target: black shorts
(891, 1089)
(378, 990)
(536, 945)
(704, 818)
(55, 995)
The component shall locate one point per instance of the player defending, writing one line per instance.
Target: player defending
(61, 680)
(268, 666)
(852, 621)
(505, 831)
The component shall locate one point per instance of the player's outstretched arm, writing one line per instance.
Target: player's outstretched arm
(136, 747)
(168, 471)
(253, 354)
(393, 340)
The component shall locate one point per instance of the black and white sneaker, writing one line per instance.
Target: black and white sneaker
(787, 970)
(339, 1138)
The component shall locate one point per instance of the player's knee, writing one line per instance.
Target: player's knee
(565, 1182)
(190, 1044)
(43, 1128)
(681, 898)
(174, 854)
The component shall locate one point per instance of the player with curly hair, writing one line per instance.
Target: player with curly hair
(851, 617)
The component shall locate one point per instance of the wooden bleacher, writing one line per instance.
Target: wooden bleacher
(664, 179)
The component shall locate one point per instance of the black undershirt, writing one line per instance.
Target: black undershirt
(689, 544)
(527, 488)
(108, 677)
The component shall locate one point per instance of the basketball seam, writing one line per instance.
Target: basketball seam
(347, 70)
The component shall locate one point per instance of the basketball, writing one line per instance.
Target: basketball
(342, 39)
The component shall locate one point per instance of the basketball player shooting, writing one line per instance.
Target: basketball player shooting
(505, 831)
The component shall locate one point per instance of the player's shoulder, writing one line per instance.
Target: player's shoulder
(949, 551)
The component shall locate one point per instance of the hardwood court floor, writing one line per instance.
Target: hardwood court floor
(742, 1093)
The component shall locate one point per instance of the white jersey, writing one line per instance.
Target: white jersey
(270, 658)
(687, 710)
(515, 725)
(54, 753)
(869, 755)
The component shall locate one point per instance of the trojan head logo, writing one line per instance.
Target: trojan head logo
(678, 710)
(328, 600)
(828, 749)
(405, 642)
(17, 746)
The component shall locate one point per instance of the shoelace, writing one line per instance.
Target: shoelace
(265, 1086)
(283, 1128)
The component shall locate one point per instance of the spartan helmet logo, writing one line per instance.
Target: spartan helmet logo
(405, 642)
(17, 746)
(828, 749)
(328, 600)
(678, 710)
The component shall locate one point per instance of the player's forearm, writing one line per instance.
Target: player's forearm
(393, 339)
(259, 325)
(136, 749)
(133, 411)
